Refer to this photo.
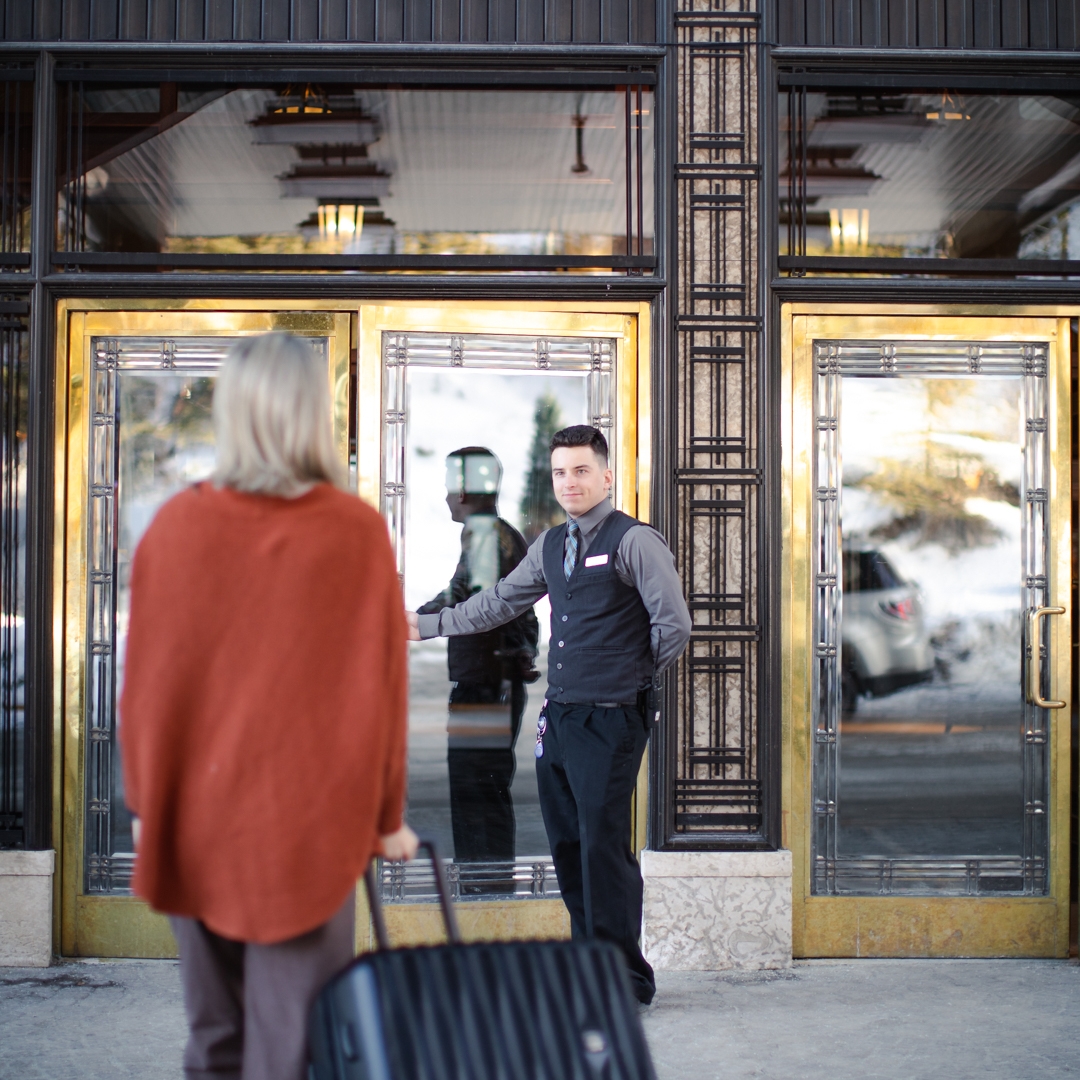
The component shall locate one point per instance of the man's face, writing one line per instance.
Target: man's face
(581, 479)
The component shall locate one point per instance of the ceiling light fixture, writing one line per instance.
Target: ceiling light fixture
(343, 221)
(850, 229)
(951, 108)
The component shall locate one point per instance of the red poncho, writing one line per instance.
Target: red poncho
(263, 714)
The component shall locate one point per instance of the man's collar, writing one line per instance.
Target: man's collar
(591, 518)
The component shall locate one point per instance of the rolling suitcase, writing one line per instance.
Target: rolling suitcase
(523, 1010)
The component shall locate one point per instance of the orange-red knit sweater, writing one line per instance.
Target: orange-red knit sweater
(263, 714)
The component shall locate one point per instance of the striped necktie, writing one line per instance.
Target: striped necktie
(573, 531)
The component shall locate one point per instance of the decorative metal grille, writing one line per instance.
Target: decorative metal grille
(531, 879)
(593, 358)
(108, 865)
(834, 874)
(713, 763)
(14, 364)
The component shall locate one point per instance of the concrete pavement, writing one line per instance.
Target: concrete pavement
(840, 1020)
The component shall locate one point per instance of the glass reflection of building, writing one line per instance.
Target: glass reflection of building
(715, 172)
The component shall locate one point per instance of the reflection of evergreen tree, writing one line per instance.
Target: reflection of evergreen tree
(539, 510)
(928, 492)
(928, 498)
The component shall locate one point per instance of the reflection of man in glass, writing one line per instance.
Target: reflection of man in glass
(488, 670)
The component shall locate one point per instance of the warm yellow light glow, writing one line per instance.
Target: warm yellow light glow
(344, 220)
(849, 229)
(947, 109)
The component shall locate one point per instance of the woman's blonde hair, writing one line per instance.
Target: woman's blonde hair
(272, 418)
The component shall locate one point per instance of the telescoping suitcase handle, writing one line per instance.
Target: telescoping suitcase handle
(442, 886)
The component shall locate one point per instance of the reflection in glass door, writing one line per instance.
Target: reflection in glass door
(151, 435)
(466, 489)
(931, 542)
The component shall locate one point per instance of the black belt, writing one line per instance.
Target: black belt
(600, 704)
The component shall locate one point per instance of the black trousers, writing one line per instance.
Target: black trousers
(481, 806)
(586, 778)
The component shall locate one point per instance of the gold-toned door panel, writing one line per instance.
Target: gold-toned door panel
(907, 925)
(629, 325)
(120, 925)
(487, 920)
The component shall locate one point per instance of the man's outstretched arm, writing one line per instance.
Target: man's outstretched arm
(517, 592)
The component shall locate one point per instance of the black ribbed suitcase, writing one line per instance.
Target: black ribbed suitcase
(523, 1010)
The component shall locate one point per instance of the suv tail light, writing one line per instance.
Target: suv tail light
(899, 609)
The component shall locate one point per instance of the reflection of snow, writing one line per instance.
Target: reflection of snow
(982, 579)
(1005, 458)
(449, 410)
(894, 419)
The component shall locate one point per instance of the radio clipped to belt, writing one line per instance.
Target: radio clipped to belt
(541, 728)
(649, 699)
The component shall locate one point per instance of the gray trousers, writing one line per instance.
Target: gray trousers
(247, 1005)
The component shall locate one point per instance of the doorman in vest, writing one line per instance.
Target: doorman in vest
(618, 620)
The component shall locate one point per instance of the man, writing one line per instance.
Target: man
(618, 619)
(488, 672)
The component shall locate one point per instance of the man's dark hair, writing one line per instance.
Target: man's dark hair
(581, 435)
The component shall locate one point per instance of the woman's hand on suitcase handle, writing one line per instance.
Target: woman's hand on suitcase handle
(399, 846)
(413, 621)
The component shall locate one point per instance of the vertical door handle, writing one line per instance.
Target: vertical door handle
(1034, 665)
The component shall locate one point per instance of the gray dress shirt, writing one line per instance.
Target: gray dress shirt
(642, 560)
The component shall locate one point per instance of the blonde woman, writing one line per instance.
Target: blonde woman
(263, 715)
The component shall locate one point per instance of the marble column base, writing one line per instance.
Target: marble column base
(711, 910)
(26, 916)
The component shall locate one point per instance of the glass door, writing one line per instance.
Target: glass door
(137, 429)
(935, 555)
(457, 405)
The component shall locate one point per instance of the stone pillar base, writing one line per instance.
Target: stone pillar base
(710, 910)
(26, 917)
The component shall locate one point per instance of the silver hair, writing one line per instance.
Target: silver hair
(272, 418)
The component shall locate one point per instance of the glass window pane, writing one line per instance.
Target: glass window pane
(151, 437)
(467, 488)
(335, 170)
(14, 372)
(930, 174)
(16, 130)
(931, 749)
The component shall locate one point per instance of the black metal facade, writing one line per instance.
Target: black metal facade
(385, 21)
(34, 274)
(716, 284)
(929, 24)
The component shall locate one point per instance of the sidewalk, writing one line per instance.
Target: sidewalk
(840, 1020)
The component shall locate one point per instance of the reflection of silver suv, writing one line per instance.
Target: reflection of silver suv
(885, 646)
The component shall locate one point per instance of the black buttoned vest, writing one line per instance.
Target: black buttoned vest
(600, 641)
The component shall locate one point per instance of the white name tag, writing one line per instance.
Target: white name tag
(596, 560)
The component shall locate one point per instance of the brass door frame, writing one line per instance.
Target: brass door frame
(630, 324)
(906, 925)
(103, 925)
(91, 925)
